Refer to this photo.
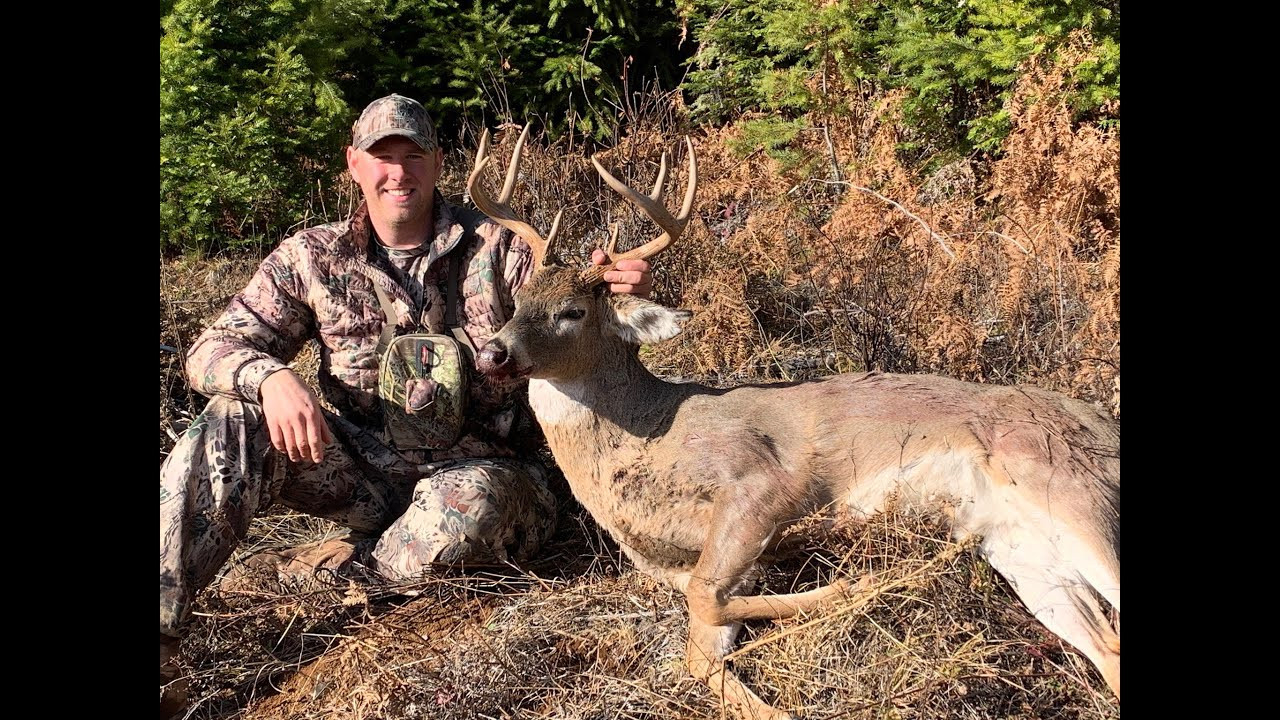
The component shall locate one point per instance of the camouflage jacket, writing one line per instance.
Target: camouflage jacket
(316, 285)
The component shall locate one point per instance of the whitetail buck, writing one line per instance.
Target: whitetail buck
(695, 482)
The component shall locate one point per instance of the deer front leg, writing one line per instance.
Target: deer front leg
(704, 655)
(729, 555)
(728, 558)
(777, 607)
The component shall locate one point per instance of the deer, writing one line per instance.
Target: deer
(695, 482)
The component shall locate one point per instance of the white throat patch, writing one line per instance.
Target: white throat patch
(557, 402)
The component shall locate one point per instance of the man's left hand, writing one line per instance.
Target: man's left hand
(631, 276)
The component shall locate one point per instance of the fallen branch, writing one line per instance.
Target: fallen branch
(941, 241)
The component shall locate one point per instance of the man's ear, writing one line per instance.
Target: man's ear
(352, 155)
(643, 322)
(439, 158)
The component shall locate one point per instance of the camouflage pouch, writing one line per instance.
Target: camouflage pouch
(423, 377)
(423, 384)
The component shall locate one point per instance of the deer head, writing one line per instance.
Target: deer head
(565, 319)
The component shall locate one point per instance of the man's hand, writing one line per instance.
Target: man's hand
(631, 276)
(293, 416)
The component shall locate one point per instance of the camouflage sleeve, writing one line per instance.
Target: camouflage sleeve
(262, 329)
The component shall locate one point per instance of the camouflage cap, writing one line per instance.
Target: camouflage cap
(394, 115)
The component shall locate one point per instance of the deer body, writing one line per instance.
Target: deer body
(651, 472)
(695, 483)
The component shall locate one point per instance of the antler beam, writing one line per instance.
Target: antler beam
(651, 205)
(500, 209)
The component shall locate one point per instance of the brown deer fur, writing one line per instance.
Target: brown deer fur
(694, 482)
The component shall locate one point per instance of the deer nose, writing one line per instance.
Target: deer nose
(492, 357)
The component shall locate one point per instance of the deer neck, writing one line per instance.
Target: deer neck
(617, 402)
(605, 429)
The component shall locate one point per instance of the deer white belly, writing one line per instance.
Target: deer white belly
(944, 478)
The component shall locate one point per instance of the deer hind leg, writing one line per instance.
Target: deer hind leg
(777, 607)
(1057, 596)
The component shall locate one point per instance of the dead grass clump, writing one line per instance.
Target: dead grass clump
(241, 644)
(193, 293)
(940, 636)
(1058, 189)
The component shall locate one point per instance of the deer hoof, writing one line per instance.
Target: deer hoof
(863, 585)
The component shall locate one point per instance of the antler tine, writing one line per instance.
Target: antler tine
(613, 239)
(500, 210)
(692, 189)
(656, 195)
(555, 228)
(509, 185)
(672, 227)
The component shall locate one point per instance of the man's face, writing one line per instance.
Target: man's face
(398, 179)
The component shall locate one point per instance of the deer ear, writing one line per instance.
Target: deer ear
(643, 322)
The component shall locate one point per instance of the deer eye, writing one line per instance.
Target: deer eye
(573, 314)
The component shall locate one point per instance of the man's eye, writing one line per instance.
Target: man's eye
(573, 314)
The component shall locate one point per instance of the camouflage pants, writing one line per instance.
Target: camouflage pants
(224, 471)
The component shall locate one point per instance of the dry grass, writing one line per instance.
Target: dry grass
(192, 294)
(574, 636)
(994, 272)
(1004, 272)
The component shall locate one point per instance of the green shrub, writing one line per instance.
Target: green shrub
(958, 60)
(249, 131)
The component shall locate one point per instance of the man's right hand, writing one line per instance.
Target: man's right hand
(293, 416)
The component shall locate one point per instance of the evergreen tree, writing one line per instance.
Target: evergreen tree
(957, 59)
(248, 126)
(257, 96)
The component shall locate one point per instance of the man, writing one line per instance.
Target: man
(264, 436)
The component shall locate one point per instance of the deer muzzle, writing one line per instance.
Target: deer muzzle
(494, 361)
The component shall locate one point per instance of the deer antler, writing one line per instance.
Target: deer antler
(500, 210)
(651, 205)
